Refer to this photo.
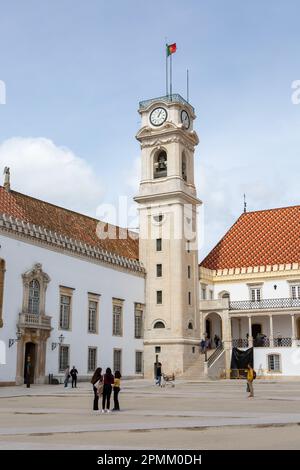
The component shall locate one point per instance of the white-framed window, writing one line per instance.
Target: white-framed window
(93, 313)
(65, 312)
(138, 321)
(92, 359)
(117, 317)
(274, 363)
(138, 362)
(295, 291)
(34, 297)
(255, 294)
(117, 360)
(203, 292)
(64, 357)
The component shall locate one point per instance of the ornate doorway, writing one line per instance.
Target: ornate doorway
(29, 360)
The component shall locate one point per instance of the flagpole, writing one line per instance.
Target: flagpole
(187, 85)
(171, 76)
(167, 84)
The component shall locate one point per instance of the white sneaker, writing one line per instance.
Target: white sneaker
(103, 411)
(108, 411)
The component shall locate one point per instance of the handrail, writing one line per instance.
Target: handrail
(288, 302)
(215, 355)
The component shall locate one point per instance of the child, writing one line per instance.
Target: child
(117, 383)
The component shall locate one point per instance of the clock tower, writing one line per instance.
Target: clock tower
(168, 234)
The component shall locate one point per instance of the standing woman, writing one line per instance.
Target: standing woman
(117, 384)
(107, 389)
(96, 381)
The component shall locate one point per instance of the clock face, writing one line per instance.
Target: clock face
(185, 119)
(158, 116)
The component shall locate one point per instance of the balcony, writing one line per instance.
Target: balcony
(265, 304)
(213, 305)
(30, 320)
(264, 342)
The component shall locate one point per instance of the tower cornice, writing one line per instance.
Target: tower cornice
(169, 133)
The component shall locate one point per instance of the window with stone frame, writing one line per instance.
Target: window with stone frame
(138, 362)
(117, 317)
(93, 316)
(65, 312)
(117, 360)
(34, 297)
(274, 364)
(295, 291)
(64, 357)
(92, 359)
(138, 321)
(255, 294)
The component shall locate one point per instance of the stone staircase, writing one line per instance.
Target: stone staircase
(196, 369)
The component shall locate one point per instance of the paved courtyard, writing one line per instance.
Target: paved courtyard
(192, 415)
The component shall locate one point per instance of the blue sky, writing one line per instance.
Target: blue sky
(75, 72)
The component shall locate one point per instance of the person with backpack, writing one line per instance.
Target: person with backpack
(251, 375)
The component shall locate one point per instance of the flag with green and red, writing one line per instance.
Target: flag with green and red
(171, 48)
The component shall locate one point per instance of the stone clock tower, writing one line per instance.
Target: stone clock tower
(168, 234)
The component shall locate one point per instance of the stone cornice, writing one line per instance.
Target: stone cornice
(47, 237)
(289, 270)
(170, 133)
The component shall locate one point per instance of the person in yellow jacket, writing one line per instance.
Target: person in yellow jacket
(117, 386)
(250, 378)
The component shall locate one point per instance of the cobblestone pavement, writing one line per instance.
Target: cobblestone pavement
(192, 415)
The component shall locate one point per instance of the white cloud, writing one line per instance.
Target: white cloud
(43, 170)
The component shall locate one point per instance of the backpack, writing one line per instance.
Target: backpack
(254, 375)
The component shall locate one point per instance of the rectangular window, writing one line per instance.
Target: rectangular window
(159, 270)
(117, 360)
(117, 317)
(92, 359)
(93, 311)
(189, 272)
(138, 362)
(64, 360)
(274, 363)
(138, 321)
(255, 294)
(188, 246)
(158, 244)
(159, 296)
(295, 291)
(65, 312)
(189, 298)
(211, 294)
(203, 293)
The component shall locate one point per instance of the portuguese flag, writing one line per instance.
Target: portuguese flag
(171, 48)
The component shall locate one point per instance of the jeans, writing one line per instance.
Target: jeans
(74, 381)
(158, 380)
(106, 396)
(96, 399)
(66, 381)
(116, 399)
(250, 388)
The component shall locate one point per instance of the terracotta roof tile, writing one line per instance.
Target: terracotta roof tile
(65, 222)
(259, 238)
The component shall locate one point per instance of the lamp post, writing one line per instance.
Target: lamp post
(12, 341)
(60, 341)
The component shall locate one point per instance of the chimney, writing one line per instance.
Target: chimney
(6, 184)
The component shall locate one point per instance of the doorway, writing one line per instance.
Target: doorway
(29, 361)
(208, 328)
(256, 330)
(298, 328)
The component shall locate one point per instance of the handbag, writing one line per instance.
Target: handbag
(100, 389)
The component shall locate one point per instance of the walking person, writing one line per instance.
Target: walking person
(251, 374)
(67, 376)
(97, 381)
(202, 345)
(74, 373)
(158, 374)
(108, 381)
(117, 384)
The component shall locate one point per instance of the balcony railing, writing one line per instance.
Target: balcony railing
(264, 304)
(175, 98)
(263, 342)
(30, 320)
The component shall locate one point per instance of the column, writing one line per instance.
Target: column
(250, 339)
(271, 337)
(294, 339)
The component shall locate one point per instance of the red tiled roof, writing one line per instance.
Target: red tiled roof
(65, 222)
(259, 238)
